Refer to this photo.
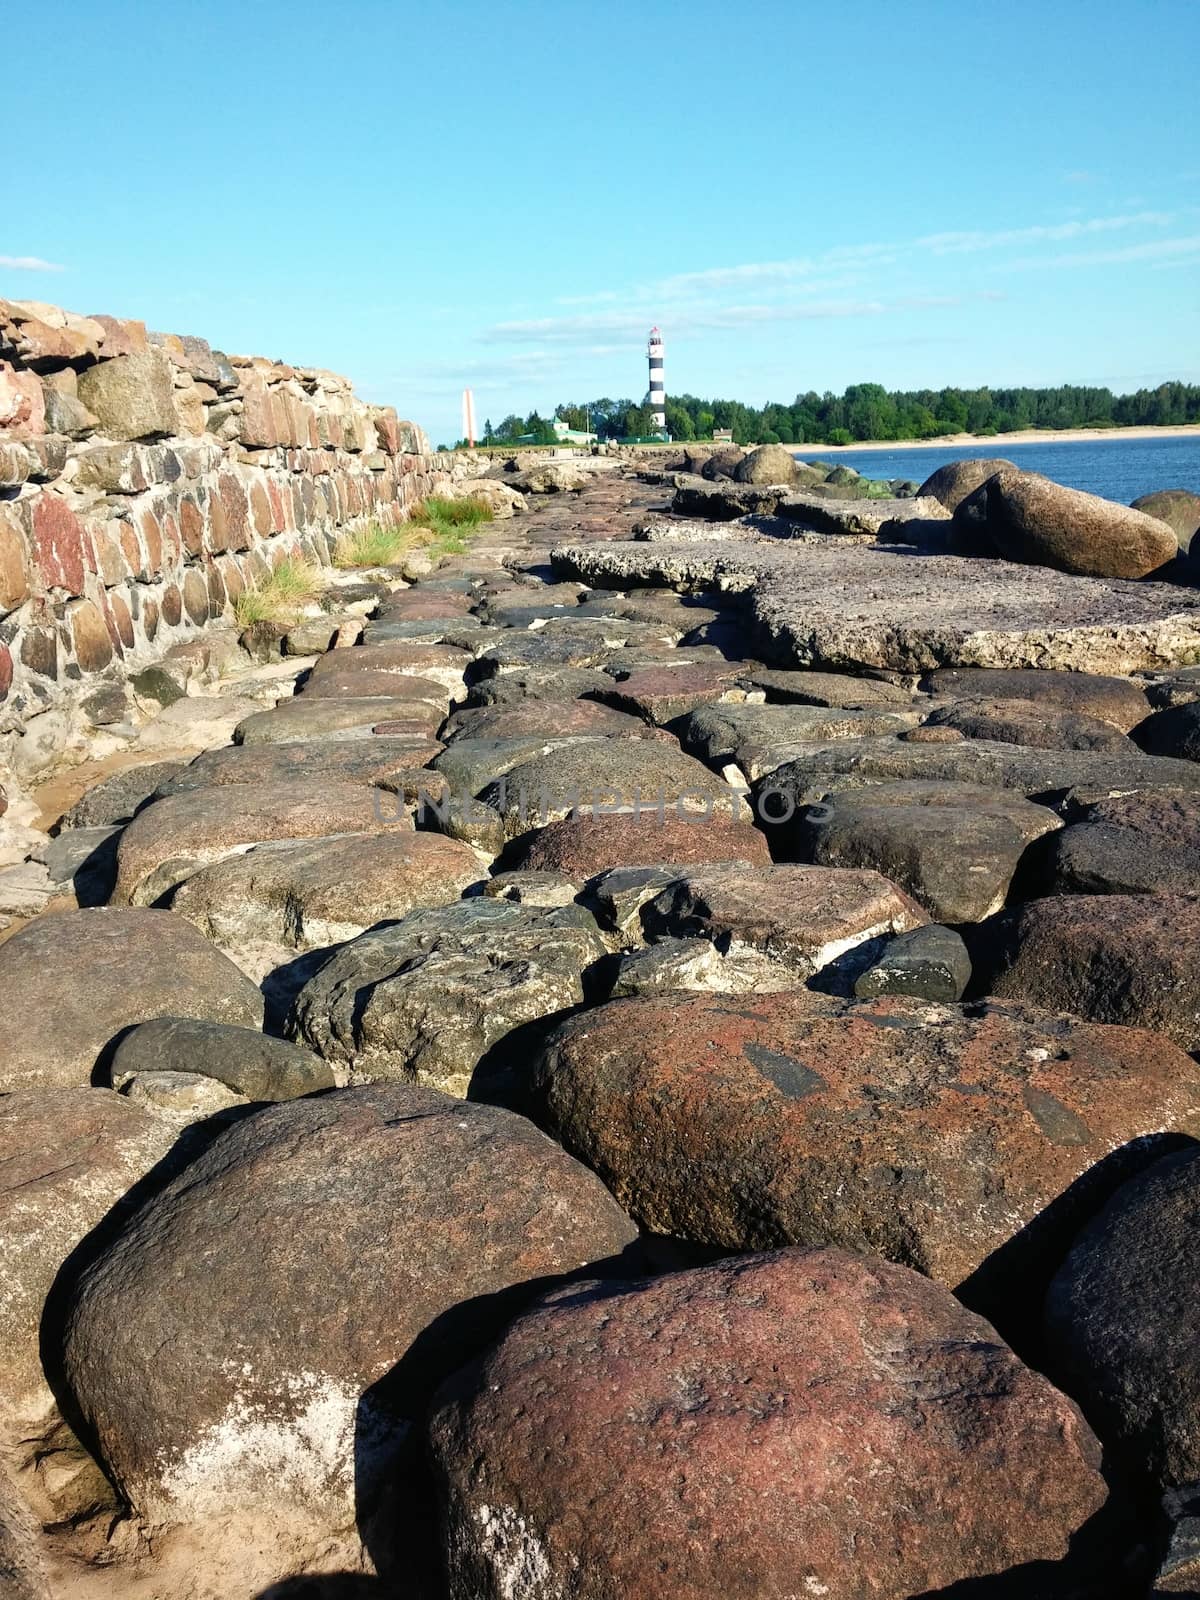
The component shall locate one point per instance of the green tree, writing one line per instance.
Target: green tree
(679, 422)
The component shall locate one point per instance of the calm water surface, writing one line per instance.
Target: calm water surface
(1119, 469)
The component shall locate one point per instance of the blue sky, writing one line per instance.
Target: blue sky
(509, 195)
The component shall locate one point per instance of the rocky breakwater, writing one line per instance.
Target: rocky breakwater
(146, 479)
(653, 1064)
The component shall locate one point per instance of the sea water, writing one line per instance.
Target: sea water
(1117, 468)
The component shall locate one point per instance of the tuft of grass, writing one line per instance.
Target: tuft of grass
(282, 597)
(440, 526)
(376, 544)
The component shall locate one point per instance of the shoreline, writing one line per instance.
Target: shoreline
(994, 441)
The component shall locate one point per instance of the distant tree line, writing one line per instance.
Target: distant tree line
(867, 411)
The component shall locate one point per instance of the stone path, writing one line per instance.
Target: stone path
(569, 949)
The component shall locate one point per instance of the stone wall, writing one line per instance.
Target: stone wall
(145, 480)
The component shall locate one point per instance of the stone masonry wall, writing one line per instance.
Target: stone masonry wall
(145, 480)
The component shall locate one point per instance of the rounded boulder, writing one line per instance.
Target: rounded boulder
(805, 1422)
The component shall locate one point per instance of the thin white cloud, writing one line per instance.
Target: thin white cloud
(29, 264)
(959, 243)
(1172, 252)
(573, 331)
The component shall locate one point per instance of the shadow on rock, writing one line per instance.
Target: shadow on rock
(1009, 1286)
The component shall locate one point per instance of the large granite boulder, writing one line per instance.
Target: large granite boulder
(952, 483)
(795, 919)
(385, 763)
(426, 998)
(861, 763)
(176, 836)
(954, 847)
(770, 463)
(133, 396)
(22, 1575)
(1029, 518)
(604, 775)
(1030, 723)
(1178, 508)
(723, 462)
(307, 717)
(72, 982)
(1147, 842)
(1126, 959)
(805, 1422)
(356, 1247)
(759, 738)
(1122, 1319)
(970, 1143)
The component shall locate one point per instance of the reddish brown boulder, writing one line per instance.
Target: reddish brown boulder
(1128, 959)
(357, 1246)
(582, 846)
(60, 549)
(966, 1142)
(658, 694)
(22, 404)
(805, 1422)
(364, 684)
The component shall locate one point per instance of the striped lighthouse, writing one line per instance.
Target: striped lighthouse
(657, 398)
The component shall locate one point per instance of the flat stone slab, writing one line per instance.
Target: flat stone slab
(174, 837)
(798, 919)
(759, 738)
(317, 892)
(309, 717)
(897, 609)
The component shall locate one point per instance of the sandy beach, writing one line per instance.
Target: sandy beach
(991, 443)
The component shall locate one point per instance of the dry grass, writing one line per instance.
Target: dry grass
(440, 526)
(282, 597)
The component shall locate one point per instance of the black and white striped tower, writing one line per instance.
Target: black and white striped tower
(657, 398)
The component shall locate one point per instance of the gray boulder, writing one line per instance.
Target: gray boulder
(770, 463)
(424, 999)
(1122, 1321)
(357, 1246)
(954, 847)
(252, 1064)
(1178, 508)
(1174, 731)
(1147, 842)
(952, 483)
(73, 981)
(930, 963)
